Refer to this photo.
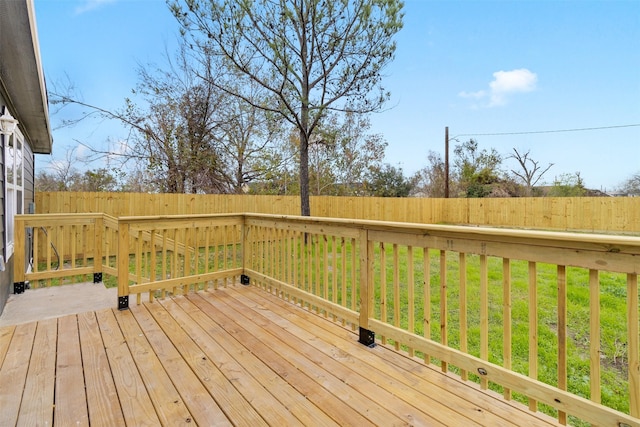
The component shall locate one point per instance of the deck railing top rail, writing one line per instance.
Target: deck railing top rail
(479, 232)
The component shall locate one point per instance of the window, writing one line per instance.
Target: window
(14, 184)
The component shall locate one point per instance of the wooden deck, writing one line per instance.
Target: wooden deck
(233, 356)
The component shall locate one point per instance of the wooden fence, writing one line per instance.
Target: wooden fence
(593, 214)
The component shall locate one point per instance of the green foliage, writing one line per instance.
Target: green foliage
(476, 169)
(388, 181)
(100, 180)
(568, 185)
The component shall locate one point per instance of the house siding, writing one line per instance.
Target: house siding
(29, 197)
(6, 276)
(29, 180)
(23, 92)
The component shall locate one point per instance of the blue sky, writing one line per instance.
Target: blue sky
(478, 67)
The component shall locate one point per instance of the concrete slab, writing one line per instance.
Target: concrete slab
(56, 301)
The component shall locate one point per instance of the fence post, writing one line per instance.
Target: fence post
(123, 265)
(19, 250)
(98, 232)
(367, 336)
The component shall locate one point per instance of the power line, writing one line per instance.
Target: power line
(546, 131)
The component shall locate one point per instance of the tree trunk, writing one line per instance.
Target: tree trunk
(305, 205)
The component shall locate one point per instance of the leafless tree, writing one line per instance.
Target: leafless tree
(185, 134)
(531, 171)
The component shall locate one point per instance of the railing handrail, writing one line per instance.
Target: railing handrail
(607, 241)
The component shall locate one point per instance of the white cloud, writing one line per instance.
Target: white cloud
(474, 95)
(89, 5)
(505, 84)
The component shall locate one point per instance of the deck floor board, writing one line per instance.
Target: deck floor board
(244, 398)
(102, 396)
(236, 356)
(359, 378)
(13, 374)
(40, 381)
(70, 395)
(135, 402)
(444, 407)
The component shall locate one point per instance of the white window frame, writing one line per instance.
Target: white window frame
(14, 167)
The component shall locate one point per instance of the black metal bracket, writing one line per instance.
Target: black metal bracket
(367, 337)
(97, 277)
(244, 279)
(123, 303)
(18, 287)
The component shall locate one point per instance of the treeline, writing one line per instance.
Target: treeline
(338, 169)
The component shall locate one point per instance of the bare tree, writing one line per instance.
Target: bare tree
(531, 172)
(358, 154)
(312, 56)
(247, 136)
(59, 175)
(430, 180)
(186, 134)
(631, 185)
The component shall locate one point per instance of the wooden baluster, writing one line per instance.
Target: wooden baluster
(506, 319)
(334, 272)
(396, 291)
(484, 315)
(383, 287)
(321, 270)
(443, 305)
(152, 261)
(562, 335)
(462, 266)
(343, 270)
(632, 346)
(533, 329)
(426, 320)
(410, 295)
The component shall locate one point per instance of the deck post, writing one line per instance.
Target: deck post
(19, 261)
(246, 255)
(367, 336)
(98, 231)
(123, 265)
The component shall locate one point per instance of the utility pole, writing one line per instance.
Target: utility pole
(446, 162)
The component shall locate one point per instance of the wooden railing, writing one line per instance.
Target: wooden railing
(450, 295)
(177, 253)
(545, 318)
(71, 247)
